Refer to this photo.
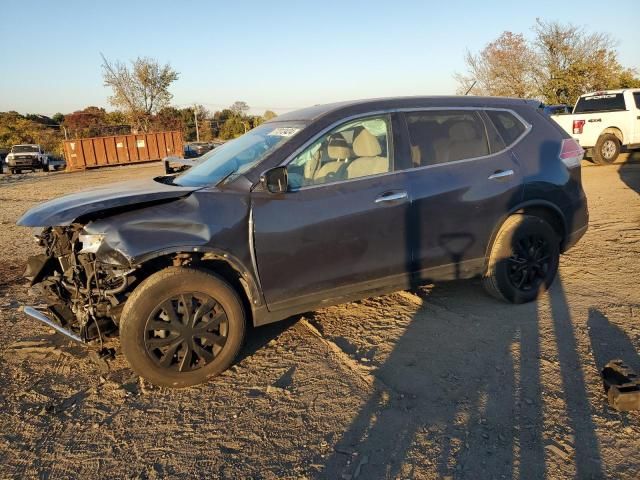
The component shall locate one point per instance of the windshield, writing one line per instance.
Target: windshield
(239, 155)
(24, 149)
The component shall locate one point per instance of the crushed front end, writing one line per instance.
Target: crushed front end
(83, 297)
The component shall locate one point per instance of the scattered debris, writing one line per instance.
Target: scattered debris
(344, 451)
(558, 452)
(286, 380)
(363, 461)
(272, 390)
(622, 386)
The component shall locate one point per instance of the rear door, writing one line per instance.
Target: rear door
(463, 180)
(341, 227)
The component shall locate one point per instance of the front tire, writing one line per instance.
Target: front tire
(182, 326)
(524, 259)
(606, 150)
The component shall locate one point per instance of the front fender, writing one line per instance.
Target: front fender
(212, 226)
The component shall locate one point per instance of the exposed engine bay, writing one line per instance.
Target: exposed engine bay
(84, 295)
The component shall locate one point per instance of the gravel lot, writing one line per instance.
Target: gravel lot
(442, 382)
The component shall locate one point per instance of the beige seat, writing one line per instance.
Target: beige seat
(339, 152)
(465, 141)
(369, 162)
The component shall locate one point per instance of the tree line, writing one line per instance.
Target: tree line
(557, 65)
(560, 63)
(94, 121)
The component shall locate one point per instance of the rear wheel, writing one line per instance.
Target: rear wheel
(606, 150)
(524, 259)
(182, 326)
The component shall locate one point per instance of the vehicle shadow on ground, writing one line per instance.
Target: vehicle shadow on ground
(257, 338)
(630, 172)
(461, 394)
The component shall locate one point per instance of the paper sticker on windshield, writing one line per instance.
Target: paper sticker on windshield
(284, 131)
(599, 97)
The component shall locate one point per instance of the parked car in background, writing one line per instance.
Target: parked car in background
(3, 155)
(556, 109)
(604, 122)
(31, 157)
(174, 165)
(319, 206)
(200, 148)
(189, 151)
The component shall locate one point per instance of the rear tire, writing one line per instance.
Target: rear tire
(182, 326)
(606, 150)
(524, 259)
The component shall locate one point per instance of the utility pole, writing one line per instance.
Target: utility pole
(195, 116)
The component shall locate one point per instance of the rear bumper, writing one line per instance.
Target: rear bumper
(576, 215)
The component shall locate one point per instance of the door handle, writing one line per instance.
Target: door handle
(391, 197)
(500, 174)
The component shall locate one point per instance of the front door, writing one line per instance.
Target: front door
(341, 226)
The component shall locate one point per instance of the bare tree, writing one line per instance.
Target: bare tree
(503, 68)
(140, 91)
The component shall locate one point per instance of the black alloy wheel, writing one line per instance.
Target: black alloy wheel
(530, 262)
(182, 326)
(186, 332)
(524, 259)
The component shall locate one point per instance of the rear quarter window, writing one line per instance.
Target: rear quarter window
(609, 102)
(636, 98)
(508, 125)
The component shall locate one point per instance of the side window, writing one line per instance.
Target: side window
(636, 97)
(357, 149)
(507, 124)
(445, 136)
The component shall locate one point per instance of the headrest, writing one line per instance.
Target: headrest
(338, 148)
(463, 131)
(366, 145)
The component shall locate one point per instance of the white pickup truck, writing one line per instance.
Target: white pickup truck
(603, 122)
(31, 157)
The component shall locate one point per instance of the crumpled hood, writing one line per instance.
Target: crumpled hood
(64, 210)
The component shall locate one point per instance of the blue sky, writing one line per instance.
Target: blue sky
(272, 54)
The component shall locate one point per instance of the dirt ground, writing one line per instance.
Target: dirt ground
(443, 382)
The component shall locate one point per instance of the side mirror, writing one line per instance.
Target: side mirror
(275, 180)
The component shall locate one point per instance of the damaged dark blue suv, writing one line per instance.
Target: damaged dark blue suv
(320, 206)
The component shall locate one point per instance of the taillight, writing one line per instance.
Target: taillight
(571, 153)
(578, 125)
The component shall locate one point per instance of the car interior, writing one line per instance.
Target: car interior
(438, 137)
(358, 149)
